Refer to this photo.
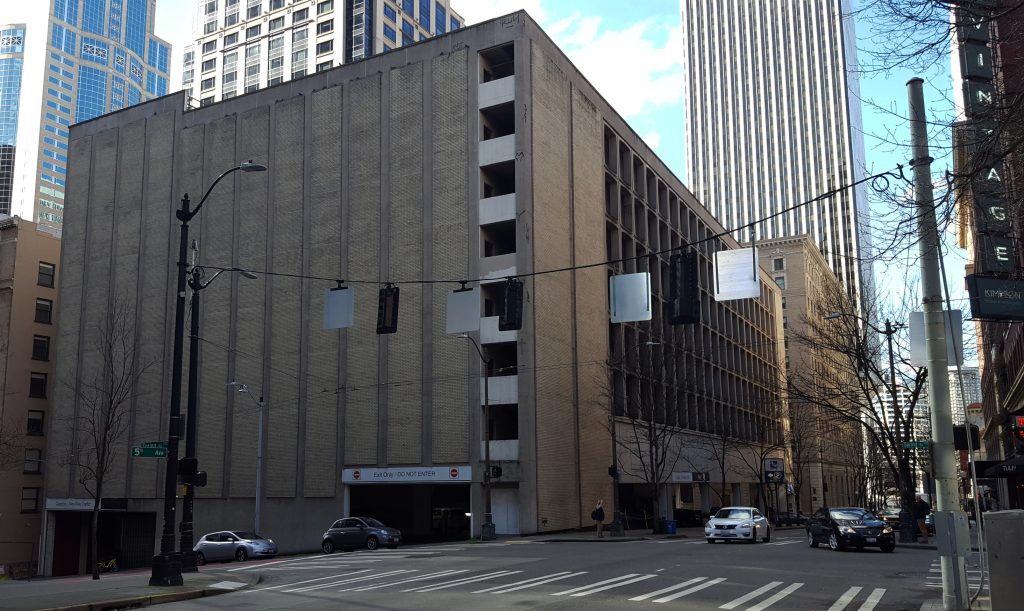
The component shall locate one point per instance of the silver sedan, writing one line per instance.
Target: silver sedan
(239, 545)
(741, 523)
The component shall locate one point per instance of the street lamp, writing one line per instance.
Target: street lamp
(167, 564)
(487, 529)
(186, 537)
(260, 403)
(902, 454)
(617, 527)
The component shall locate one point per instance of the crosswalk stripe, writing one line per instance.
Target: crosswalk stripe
(344, 581)
(285, 585)
(593, 585)
(538, 583)
(562, 574)
(776, 598)
(614, 585)
(669, 589)
(706, 584)
(460, 582)
(440, 574)
(742, 599)
(873, 598)
(845, 599)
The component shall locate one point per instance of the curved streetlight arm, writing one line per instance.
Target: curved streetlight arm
(248, 166)
(196, 284)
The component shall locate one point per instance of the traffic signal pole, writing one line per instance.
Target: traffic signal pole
(944, 466)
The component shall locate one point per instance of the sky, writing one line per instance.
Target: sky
(646, 85)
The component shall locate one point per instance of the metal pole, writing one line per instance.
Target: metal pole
(186, 538)
(487, 530)
(906, 517)
(166, 564)
(617, 528)
(944, 467)
(259, 468)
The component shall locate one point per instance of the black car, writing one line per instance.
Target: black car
(786, 518)
(843, 527)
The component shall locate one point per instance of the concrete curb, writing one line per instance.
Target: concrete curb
(151, 599)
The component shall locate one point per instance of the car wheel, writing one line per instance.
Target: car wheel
(200, 559)
(811, 541)
(768, 537)
(327, 546)
(241, 554)
(372, 543)
(711, 540)
(889, 547)
(833, 542)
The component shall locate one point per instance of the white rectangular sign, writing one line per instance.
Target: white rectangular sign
(954, 338)
(70, 504)
(773, 464)
(629, 297)
(682, 477)
(736, 274)
(384, 475)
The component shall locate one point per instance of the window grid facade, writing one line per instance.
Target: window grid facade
(12, 50)
(317, 35)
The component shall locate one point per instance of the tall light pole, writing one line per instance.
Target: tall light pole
(487, 529)
(901, 429)
(260, 403)
(167, 564)
(186, 537)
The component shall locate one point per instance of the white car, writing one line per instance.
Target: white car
(742, 523)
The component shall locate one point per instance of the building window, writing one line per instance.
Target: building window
(408, 29)
(302, 15)
(209, 47)
(407, 6)
(33, 461)
(456, 24)
(207, 101)
(208, 83)
(276, 4)
(276, 23)
(298, 74)
(425, 14)
(211, 7)
(35, 423)
(231, 39)
(781, 281)
(390, 34)
(37, 388)
(778, 264)
(44, 311)
(390, 13)
(325, 26)
(30, 500)
(210, 27)
(209, 64)
(254, 9)
(40, 348)
(323, 66)
(325, 7)
(252, 32)
(784, 306)
(440, 19)
(324, 47)
(46, 273)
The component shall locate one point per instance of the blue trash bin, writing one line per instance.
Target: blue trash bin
(670, 527)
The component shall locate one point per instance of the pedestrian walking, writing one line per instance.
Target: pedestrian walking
(598, 516)
(921, 510)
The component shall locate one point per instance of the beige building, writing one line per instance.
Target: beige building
(29, 255)
(825, 452)
(475, 156)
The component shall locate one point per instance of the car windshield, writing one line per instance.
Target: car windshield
(373, 523)
(855, 515)
(734, 514)
(247, 535)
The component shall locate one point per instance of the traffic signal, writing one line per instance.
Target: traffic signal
(684, 288)
(189, 473)
(495, 471)
(1017, 426)
(511, 317)
(612, 471)
(387, 310)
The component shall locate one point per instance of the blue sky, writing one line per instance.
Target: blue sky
(645, 84)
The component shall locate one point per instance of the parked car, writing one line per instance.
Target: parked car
(842, 527)
(741, 523)
(239, 545)
(890, 516)
(786, 518)
(352, 533)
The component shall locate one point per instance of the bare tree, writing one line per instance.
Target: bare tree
(104, 390)
(803, 445)
(717, 447)
(765, 440)
(10, 432)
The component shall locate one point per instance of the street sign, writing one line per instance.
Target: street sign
(154, 444)
(149, 452)
(915, 445)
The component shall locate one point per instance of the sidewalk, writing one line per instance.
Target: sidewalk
(112, 591)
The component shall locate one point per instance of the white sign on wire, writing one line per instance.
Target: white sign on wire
(736, 275)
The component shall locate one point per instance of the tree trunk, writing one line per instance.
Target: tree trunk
(94, 530)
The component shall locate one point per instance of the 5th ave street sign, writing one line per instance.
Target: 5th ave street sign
(149, 452)
(915, 445)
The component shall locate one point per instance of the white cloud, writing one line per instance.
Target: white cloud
(653, 139)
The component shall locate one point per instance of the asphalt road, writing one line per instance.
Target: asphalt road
(682, 573)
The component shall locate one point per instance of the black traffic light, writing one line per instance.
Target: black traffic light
(511, 317)
(684, 288)
(189, 473)
(1017, 426)
(495, 471)
(387, 310)
(612, 471)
